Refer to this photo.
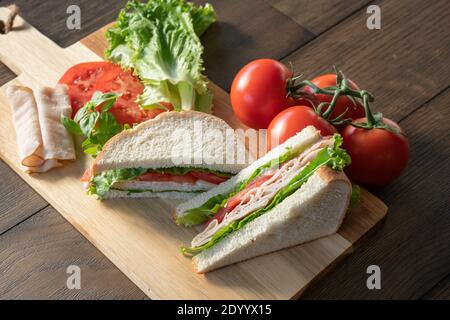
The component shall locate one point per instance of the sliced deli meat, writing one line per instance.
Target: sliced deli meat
(52, 103)
(252, 199)
(41, 139)
(26, 124)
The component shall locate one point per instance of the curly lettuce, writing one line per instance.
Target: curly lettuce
(159, 40)
(103, 182)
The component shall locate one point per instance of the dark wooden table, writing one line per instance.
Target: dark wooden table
(405, 64)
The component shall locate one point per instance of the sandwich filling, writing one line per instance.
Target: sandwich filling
(135, 180)
(267, 186)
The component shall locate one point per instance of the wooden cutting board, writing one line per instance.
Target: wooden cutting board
(138, 236)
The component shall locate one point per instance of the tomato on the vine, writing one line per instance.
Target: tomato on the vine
(378, 155)
(291, 102)
(259, 93)
(292, 120)
(353, 108)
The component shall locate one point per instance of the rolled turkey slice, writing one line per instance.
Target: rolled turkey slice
(41, 139)
(26, 125)
(52, 103)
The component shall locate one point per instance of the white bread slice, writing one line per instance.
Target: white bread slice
(303, 139)
(171, 137)
(316, 210)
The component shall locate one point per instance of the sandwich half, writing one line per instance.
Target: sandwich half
(294, 194)
(175, 155)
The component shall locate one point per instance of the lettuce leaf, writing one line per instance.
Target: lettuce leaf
(159, 41)
(103, 182)
(334, 157)
(209, 208)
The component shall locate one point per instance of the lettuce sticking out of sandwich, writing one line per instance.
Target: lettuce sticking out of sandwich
(165, 157)
(249, 205)
(186, 180)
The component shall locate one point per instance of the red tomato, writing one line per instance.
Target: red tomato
(258, 92)
(209, 177)
(291, 102)
(87, 175)
(160, 177)
(343, 102)
(378, 155)
(234, 201)
(85, 78)
(292, 120)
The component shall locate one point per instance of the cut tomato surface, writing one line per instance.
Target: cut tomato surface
(85, 78)
(191, 177)
(160, 177)
(87, 175)
(209, 177)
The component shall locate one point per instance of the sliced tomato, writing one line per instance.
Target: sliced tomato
(209, 177)
(160, 177)
(236, 199)
(85, 78)
(87, 175)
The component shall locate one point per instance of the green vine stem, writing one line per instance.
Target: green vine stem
(342, 88)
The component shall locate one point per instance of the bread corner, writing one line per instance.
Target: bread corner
(328, 175)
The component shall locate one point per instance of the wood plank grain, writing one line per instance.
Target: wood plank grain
(6, 74)
(19, 200)
(246, 30)
(318, 15)
(35, 256)
(412, 248)
(404, 64)
(441, 291)
(50, 17)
